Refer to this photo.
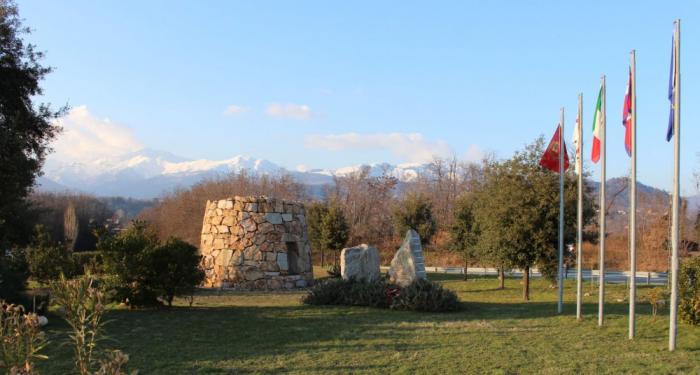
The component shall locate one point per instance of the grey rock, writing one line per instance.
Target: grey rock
(273, 218)
(360, 263)
(282, 261)
(408, 264)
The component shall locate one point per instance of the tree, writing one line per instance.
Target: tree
(334, 230)
(25, 127)
(416, 212)
(173, 269)
(48, 260)
(518, 213)
(465, 231)
(14, 273)
(315, 212)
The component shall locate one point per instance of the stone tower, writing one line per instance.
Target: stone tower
(255, 243)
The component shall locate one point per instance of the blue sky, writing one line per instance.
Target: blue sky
(330, 84)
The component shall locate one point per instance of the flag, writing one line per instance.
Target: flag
(577, 144)
(550, 158)
(597, 124)
(627, 116)
(671, 90)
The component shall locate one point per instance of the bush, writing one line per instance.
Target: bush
(92, 260)
(423, 295)
(14, 273)
(416, 212)
(46, 259)
(139, 269)
(689, 291)
(21, 340)
(173, 269)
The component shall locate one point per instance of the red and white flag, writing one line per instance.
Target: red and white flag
(550, 158)
(627, 116)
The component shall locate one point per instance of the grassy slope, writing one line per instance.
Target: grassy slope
(495, 333)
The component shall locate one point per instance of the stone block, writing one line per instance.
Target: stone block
(282, 261)
(360, 263)
(273, 218)
(287, 217)
(408, 264)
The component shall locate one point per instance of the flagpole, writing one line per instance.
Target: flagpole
(601, 266)
(676, 188)
(560, 303)
(633, 195)
(579, 215)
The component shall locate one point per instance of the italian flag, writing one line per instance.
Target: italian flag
(597, 124)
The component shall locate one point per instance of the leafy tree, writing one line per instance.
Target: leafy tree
(465, 231)
(334, 230)
(416, 212)
(689, 291)
(518, 213)
(315, 212)
(48, 260)
(173, 269)
(25, 127)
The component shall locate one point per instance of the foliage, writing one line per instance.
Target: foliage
(315, 212)
(689, 291)
(657, 299)
(173, 269)
(14, 273)
(84, 305)
(46, 259)
(125, 264)
(333, 270)
(21, 340)
(415, 212)
(25, 127)
(334, 230)
(465, 231)
(92, 260)
(422, 295)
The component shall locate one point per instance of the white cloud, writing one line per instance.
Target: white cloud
(86, 137)
(474, 153)
(293, 111)
(410, 147)
(234, 109)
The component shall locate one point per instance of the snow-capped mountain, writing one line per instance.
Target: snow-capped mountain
(150, 173)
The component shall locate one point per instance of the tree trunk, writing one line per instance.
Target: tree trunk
(502, 278)
(526, 284)
(466, 269)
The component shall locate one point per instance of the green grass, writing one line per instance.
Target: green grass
(271, 333)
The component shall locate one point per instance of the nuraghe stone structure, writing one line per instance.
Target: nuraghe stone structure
(255, 243)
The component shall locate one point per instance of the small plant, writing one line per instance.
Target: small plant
(21, 341)
(84, 310)
(689, 291)
(333, 270)
(657, 299)
(424, 295)
(173, 269)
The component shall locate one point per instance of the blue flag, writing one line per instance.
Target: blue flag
(671, 90)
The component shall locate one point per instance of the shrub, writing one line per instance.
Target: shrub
(422, 295)
(14, 273)
(124, 262)
(91, 260)
(173, 269)
(84, 305)
(689, 291)
(46, 259)
(21, 341)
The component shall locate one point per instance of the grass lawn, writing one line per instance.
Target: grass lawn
(496, 332)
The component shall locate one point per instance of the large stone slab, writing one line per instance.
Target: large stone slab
(360, 263)
(408, 264)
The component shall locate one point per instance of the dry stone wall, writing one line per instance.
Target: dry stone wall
(255, 243)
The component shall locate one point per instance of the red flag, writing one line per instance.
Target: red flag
(627, 116)
(550, 159)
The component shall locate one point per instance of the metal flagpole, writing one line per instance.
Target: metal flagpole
(579, 215)
(560, 304)
(601, 266)
(633, 195)
(676, 187)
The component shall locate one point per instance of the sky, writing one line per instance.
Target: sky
(319, 84)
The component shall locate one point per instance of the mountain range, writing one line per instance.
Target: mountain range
(148, 173)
